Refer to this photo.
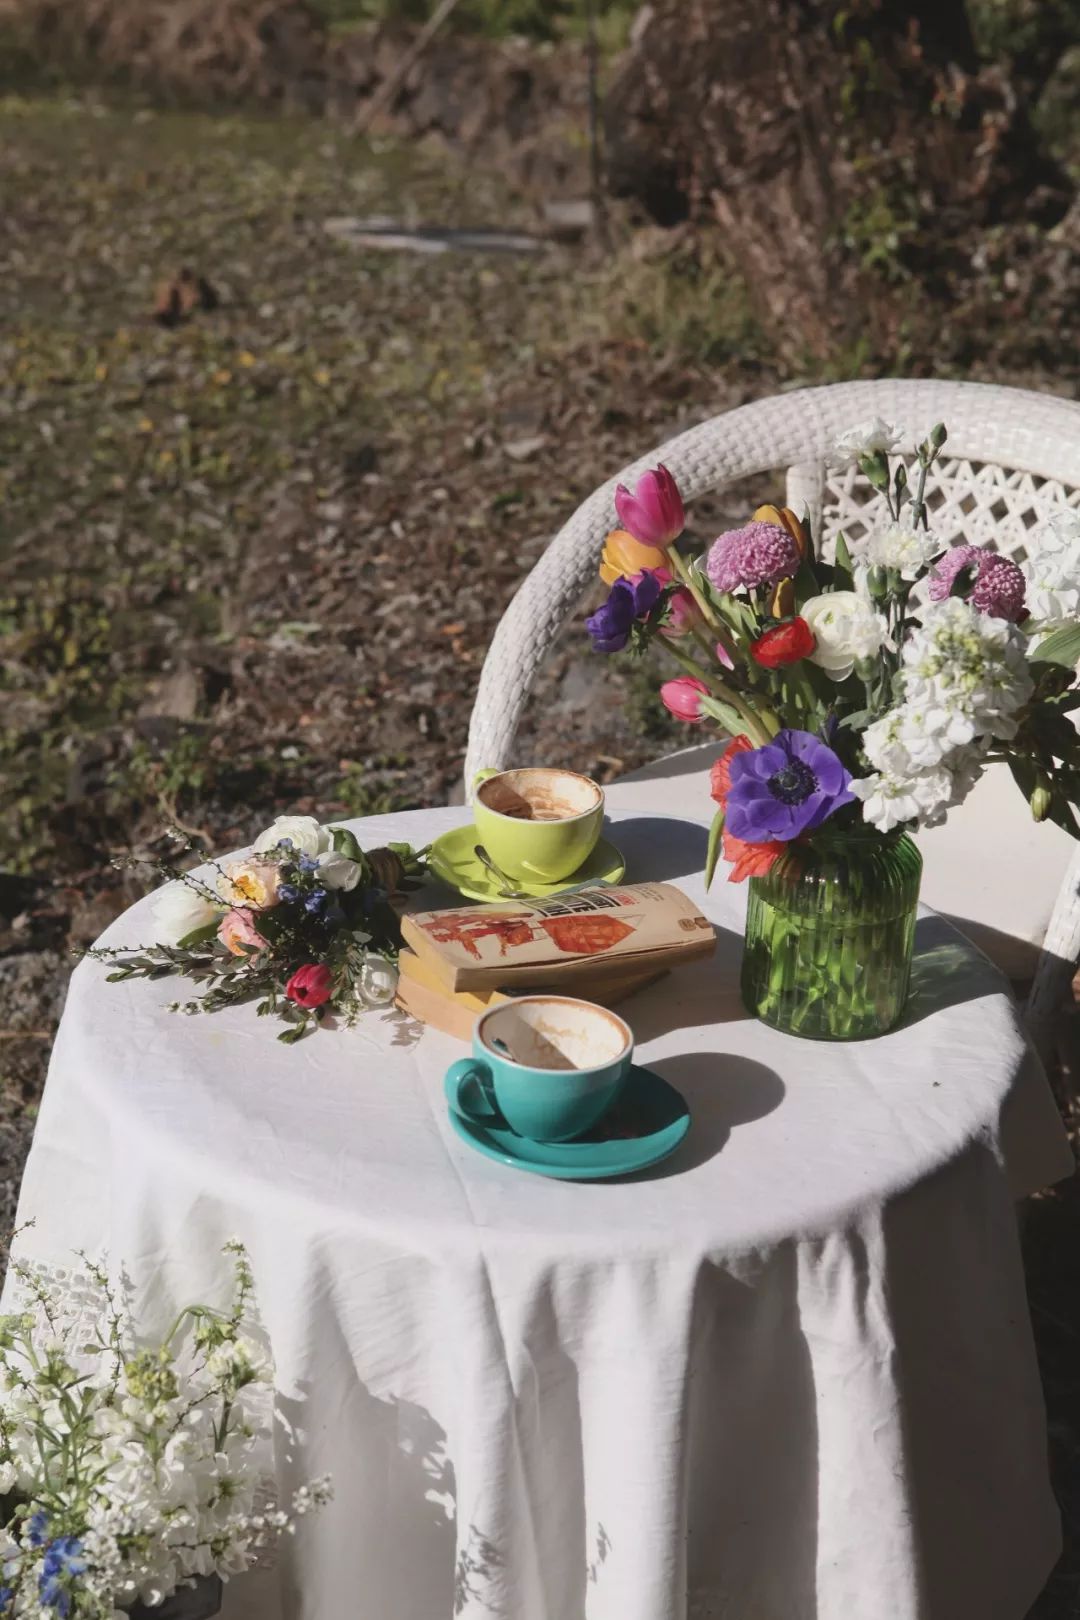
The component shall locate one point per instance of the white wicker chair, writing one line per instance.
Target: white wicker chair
(1012, 460)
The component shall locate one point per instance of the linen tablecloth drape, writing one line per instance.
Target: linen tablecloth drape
(787, 1376)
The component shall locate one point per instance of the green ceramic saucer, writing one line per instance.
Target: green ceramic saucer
(646, 1124)
(453, 860)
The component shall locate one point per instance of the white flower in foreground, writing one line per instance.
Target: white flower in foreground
(846, 630)
(338, 871)
(307, 836)
(906, 551)
(179, 909)
(890, 801)
(967, 671)
(1052, 569)
(865, 439)
(378, 981)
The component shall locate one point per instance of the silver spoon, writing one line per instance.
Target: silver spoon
(506, 887)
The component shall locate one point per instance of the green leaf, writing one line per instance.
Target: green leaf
(712, 854)
(843, 556)
(729, 718)
(1024, 774)
(1061, 646)
(198, 936)
(1061, 813)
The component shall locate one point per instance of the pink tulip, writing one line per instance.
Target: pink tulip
(654, 512)
(682, 697)
(683, 614)
(236, 930)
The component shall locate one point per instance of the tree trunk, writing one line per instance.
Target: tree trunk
(840, 149)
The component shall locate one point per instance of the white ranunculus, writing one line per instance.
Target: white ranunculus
(866, 439)
(846, 630)
(179, 909)
(307, 836)
(378, 981)
(338, 871)
(905, 550)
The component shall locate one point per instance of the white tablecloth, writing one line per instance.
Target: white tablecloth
(787, 1376)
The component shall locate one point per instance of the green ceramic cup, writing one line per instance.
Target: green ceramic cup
(538, 824)
(548, 1066)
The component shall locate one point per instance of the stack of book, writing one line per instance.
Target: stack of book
(600, 943)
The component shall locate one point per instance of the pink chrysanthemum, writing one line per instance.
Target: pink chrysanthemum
(756, 554)
(999, 583)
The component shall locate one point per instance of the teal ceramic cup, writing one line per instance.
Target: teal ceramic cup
(548, 1066)
(538, 824)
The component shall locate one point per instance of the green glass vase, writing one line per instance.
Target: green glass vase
(829, 935)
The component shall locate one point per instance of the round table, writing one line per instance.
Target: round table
(788, 1375)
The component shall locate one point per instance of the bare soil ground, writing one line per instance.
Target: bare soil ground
(251, 561)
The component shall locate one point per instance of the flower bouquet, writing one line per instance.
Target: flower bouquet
(865, 688)
(127, 1474)
(304, 925)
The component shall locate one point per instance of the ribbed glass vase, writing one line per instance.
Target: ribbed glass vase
(829, 935)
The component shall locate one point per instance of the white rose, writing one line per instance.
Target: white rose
(846, 630)
(338, 871)
(179, 909)
(864, 440)
(307, 836)
(378, 981)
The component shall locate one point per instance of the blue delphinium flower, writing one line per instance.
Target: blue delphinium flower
(62, 1563)
(307, 863)
(37, 1528)
(629, 599)
(288, 892)
(315, 900)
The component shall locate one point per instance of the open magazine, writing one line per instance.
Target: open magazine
(563, 941)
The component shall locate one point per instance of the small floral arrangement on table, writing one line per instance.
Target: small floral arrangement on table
(862, 684)
(126, 1472)
(304, 925)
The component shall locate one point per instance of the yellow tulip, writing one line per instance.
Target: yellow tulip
(624, 556)
(783, 601)
(784, 518)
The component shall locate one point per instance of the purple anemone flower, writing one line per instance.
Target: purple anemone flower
(631, 598)
(788, 787)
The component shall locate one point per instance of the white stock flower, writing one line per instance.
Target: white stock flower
(865, 439)
(967, 671)
(890, 801)
(905, 550)
(338, 871)
(846, 630)
(307, 836)
(1052, 569)
(178, 910)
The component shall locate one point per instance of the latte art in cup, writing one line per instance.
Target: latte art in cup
(539, 795)
(555, 1032)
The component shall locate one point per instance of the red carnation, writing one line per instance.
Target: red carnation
(310, 986)
(783, 644)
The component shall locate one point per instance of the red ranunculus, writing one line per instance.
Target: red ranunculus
(720, 775)
(310, 986)
(783, 644)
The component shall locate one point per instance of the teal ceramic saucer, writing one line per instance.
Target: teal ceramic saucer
(646, 1124)
(452, 858)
